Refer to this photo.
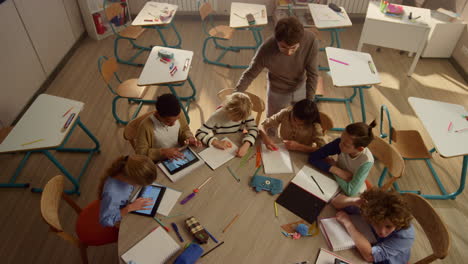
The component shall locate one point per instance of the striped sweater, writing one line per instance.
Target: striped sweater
(220, 123)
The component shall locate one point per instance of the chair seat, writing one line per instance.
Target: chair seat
(410, 144)
(130, 89)
(222, 31)
(90, 231)
(132, 32)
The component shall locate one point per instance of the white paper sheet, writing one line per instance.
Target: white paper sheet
(276, 161)
(304, 180)
(215, 157)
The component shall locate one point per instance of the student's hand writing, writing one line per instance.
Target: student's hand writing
(140, 204)
(192, 141)
(292, 145)
(343, 218)
(221, 144)
(243, 149)
(172, 153)
(269, 143)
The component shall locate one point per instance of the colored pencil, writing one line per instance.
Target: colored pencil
(222, 242)
(67, 111)
(339, 61)
(230, 223)
(212, 237)
(276, 210)
(449, 126)
(461, 130)
(161, 223)
(28, 143)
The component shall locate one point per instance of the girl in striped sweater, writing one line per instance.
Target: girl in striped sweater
(234, 116)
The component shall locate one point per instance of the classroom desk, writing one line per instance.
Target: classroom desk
(256, 235)
(156, 72)
(358, 75)
(333, 26)
(396, 33)
(40, 129)
(149, 17)
(435, 117)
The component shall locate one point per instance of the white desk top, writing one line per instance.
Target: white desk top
(436, 116)
(156, 72)
(357, 73)
(42, 121)
(153, 11)
(373, 12)
(240, 10)
(324, 17)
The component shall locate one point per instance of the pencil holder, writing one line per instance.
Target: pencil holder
(197, 230)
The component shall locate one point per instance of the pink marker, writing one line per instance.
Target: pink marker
(339, 61)
(449, 126)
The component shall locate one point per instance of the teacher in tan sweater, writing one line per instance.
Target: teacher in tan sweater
(161, 135)
(291, 59)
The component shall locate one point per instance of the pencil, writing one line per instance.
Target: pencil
(28, 143)
(312, 176)
(67, 111)
(276, 210)
(230, 223)
(222, 242)
(161, 223)
(233, 174)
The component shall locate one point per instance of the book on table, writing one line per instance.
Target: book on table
(326, 257)
(308, 193)
(338, 238)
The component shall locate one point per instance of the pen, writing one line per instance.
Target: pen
(339, 61)
(371, 66)
(186, 64)
(212, 237)
(161, 223)
(67, 111)
(461, 130)
(312, 176)
(222, 242)
(176, 229)
(69, 120)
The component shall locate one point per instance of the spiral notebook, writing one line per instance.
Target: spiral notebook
(157, 247)
(338, 238)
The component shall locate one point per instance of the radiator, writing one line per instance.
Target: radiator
(352, 6)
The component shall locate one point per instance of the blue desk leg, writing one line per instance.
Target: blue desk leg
(11, 183)
(163, 39)
(187, 99)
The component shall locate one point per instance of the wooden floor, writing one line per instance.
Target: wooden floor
(25, 237)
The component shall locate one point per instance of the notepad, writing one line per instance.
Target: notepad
(276, 161)
(157, 247)
(215, 157)
(327, 257)
(168, 201)
(328, 185)
(338, 238)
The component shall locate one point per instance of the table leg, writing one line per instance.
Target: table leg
(187, 99)
(11, 183)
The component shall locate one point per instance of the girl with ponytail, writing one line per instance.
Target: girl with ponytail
(116, 185)
(353, 164)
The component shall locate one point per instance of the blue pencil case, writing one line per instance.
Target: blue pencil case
(190, 255)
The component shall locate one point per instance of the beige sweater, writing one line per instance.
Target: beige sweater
(285, 73)
(146, 142)
(307, 134)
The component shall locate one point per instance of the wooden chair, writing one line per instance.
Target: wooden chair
(128, 89)
(433, 226)
(217, 33)
(392, 160)
(258, 105)
(129, 33)
(410, 145)
(50, 204)
(131, 130)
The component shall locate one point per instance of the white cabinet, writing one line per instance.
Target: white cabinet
(443, 36)
(21, 73)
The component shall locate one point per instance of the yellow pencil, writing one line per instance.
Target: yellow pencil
(276, 210)
(28, 143)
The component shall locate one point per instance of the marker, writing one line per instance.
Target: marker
(161, 223)
(186, 64)
(28, 143)
(212, 237)
(222, 242)
(230, 223)
(339, 61)
(176, 229)
(67, 111)
(449, 126)
(276, 210)
(371, 66)
(69, 121)
(312, 176)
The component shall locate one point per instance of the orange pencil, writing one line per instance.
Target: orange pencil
(230, 223)
(259, 157)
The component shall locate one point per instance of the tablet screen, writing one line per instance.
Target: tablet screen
(175, 165)
(154, 192)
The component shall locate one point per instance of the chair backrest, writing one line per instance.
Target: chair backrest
(390, 157)
(205, 10)
(432, 224)
(130, 131)
(113, 10)
(108, 68)
(258, 105)
(50, 204)
(325, 122)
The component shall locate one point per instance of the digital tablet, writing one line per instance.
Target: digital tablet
(175, 165)
(154, 192)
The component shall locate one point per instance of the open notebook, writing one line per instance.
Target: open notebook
(303, 196)
(215, 157)
(157, 247)
(338, 238)
(327, 257)
(276, 161)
